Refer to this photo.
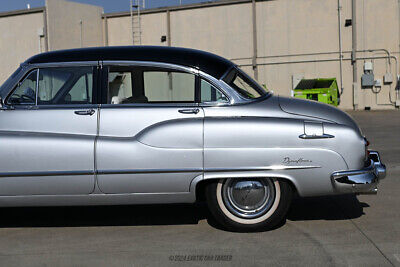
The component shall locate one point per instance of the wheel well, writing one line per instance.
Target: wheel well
(200, 187)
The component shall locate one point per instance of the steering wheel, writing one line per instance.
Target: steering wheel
(27, 97)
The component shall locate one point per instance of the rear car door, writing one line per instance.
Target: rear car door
(47, 133)
(150, 131)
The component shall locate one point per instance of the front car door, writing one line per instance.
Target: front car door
(150, 131)
(47, 132)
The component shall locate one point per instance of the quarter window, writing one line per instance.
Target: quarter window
(25, 93)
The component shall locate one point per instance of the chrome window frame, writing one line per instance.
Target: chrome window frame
(32, 67)
(218, 84)
(15, 86)
(233, 97)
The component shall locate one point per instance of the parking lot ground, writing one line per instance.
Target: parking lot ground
(325, 231)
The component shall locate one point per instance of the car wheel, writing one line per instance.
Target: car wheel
(249, 204)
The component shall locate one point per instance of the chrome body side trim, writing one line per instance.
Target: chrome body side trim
(49, 173)
(144, 171)
(267, 168)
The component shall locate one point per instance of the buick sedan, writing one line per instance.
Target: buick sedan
(146, 125)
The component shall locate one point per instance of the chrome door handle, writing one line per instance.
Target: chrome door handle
(88, 112)
(189, 111)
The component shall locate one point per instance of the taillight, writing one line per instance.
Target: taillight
(366, 142)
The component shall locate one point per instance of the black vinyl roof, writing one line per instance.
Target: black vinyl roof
(207, 62)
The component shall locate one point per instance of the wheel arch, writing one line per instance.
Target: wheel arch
(200, 185)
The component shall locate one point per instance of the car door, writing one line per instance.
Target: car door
(47, 133)
(150, 131)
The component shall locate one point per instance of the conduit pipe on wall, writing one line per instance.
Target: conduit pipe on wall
(331, 60)
(354, 51)
(316, 54)
(340, 45)
(254, 22)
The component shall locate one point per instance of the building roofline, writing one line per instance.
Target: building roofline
(179, 7)
(22, 12)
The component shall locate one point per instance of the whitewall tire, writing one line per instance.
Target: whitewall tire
(252, 204)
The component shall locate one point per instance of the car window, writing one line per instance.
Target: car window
(163, 86)
(211, 94)
(127, 85)
(56, 86)
(65, 86)
(25, 93)
(81, 91)
(120, 87)
(244, 85)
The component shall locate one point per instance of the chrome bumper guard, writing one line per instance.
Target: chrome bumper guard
(362, 181)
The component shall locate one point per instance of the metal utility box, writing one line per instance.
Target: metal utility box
(321, 90)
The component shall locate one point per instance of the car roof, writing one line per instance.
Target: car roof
(204, 61)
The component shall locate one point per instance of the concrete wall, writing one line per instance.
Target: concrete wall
(19, 39)
(65, 29)
(224, 30)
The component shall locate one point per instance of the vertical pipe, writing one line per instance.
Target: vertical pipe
(132, 26)
(81, 26)
(353, 53)
(40, 44)
(398, 9)
(46, 39)
(106, 30)
(397, 79)
(139, 22)
(168, 27)
(340, 46)
(170, 83)
(254, 61)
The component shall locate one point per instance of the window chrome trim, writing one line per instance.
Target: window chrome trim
(14, 87)
(150, 64)
(64, 64)
(36, 67)
(216, 83)
(37, 87)
(154, 64)
(148, 105)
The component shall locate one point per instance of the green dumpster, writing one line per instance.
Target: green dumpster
(321, 90)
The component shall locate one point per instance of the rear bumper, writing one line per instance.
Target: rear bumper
(364, 181)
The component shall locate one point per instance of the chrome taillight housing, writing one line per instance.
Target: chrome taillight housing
(366, 142)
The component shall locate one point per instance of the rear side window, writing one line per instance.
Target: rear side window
(163, 86)
(128, 85)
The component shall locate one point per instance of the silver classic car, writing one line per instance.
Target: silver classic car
(145, 125)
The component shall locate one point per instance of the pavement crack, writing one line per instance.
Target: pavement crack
(365, 235)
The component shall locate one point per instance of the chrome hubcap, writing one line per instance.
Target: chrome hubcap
(248, 198)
